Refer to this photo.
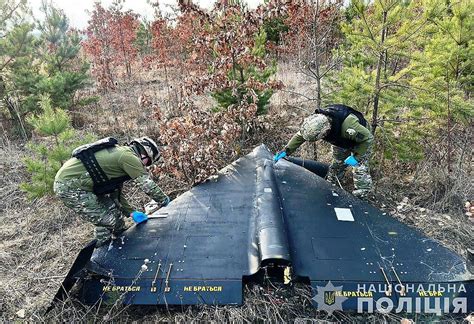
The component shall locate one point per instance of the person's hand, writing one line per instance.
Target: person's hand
(352, 161)
(151, 207)
(138, 216)
(280, 155)
(165, 201)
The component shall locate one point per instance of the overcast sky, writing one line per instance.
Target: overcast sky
(76, 10)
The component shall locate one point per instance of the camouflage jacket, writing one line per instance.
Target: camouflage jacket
(351, 129)
(115, 162)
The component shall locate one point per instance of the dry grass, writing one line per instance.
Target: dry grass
(39, 240)
(432, 199)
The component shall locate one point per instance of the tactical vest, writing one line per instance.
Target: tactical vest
(86, 154)
(338, 114)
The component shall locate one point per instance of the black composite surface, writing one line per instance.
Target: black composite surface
(256, 214)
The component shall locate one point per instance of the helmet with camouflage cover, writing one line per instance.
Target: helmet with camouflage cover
(315, 127)
(148, 146)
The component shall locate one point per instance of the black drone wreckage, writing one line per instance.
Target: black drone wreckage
(256, 217)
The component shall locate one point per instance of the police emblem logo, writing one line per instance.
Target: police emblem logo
(329, 297)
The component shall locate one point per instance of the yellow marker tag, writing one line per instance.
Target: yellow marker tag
(287, 275)
(392, 233)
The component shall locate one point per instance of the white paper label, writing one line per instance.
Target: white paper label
(344, 214)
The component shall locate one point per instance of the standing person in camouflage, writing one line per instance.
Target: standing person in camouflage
(349, 133)
(90, 183)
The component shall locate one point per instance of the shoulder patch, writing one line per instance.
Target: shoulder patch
(351, 131)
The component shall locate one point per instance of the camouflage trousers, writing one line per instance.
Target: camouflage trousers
(360, 173)
(102, 211)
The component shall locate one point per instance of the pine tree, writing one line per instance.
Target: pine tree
(16, 43)
(44, 64)
(274, 28)
(442, 70)
(440, 73)
(143, 42)
(53, 126)
(378, 42)
(65, 73)
(241, 75)
(380, 39)
(12, 28)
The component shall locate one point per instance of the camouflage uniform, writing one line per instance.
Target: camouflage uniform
(360, 173)
(352, 130)
(73, 186)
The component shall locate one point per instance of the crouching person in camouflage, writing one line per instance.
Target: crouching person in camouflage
(90, 182)
(349, 133)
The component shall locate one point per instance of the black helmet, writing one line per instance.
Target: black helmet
(148, 146)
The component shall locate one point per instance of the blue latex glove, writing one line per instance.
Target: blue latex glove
(278, 156)
(351, 160)
(166, 201)
(139, 217)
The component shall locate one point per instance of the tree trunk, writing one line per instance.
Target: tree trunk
(12, 110)
(317, 54)
(318, 64)
(128, 66)
(377, 76)
(318, 85)
(449, 124)
(16, 117)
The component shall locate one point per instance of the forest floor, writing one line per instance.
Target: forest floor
(40, 239)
